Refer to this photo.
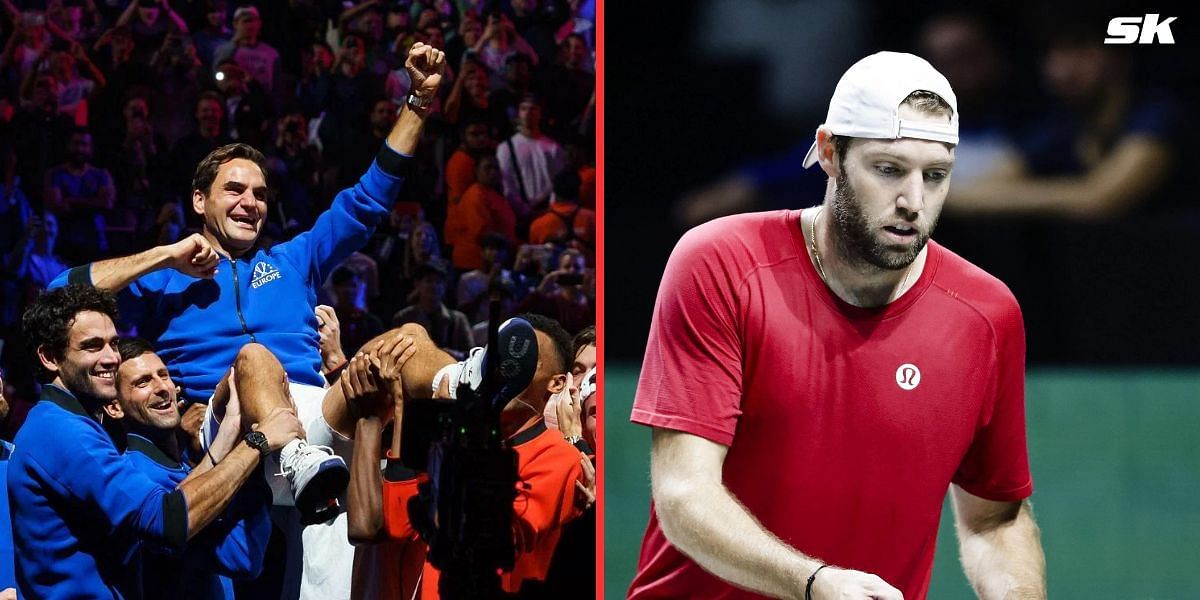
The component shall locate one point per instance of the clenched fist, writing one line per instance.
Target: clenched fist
(193, 255)
(425, 65)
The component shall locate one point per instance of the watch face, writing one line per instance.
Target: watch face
(258, 440)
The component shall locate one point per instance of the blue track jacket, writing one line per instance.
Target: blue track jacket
(268, 296)
(232, 546)
(78, 505)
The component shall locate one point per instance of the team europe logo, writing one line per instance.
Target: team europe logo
(264, 274)
(908, 376)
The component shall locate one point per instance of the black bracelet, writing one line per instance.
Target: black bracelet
(811, 579)
(208, 451)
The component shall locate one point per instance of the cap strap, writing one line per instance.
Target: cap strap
(924, 130)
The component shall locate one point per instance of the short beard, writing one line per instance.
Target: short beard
(80, 384)
(858, 241)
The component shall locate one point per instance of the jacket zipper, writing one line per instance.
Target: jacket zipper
(237, 300)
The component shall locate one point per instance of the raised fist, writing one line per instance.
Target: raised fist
(193, 255)
(425, 65)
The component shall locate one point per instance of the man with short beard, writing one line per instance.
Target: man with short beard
(236, 543)
(818, 379)
(78, 505)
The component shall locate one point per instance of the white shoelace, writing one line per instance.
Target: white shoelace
(288, 467)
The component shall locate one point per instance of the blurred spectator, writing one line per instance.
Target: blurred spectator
(468, 100)
(352, 103)
(358, 326)
(482, 210)
(81, 195)
(40, 132)
(74, 89)
(80, 22)
(579, 24)
(569, 86)
(33, 261)
(313, 89)
(460, 170)
(356, 143)
(297, 163)
(470, 28)
(585, 359)
(473, 285)
(247, 104)
(500, 40)
(141, 155)
(566, 224)
(365, 22)
(27, 45)
(1104, 151)
(518, 82)
(15, 211)
(256, 57)
(536, 22)
(448, 328)
(561, 294)
(214, 34)
(208, 135)
(529, 161)
(149, 22)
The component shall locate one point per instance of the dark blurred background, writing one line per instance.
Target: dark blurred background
(1071, 185)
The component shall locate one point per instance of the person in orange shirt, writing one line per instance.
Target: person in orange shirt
(548, 469)
(483, 209)
(460, 171)
(566, 223)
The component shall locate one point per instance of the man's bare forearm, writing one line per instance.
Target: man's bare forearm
(364, 515)
(707, 524)
(116, 273)
(704, 521)
(406, 133)
(1003, 559)
(210, 492)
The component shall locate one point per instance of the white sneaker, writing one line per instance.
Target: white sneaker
(515, 360)
(317, 477)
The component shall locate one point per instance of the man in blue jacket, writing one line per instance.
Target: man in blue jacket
(77, 504)
(234, 545)
(205, 297)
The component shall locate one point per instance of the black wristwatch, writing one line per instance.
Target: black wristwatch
(418, 102)
(258, 441)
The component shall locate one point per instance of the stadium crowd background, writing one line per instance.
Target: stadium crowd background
(1105, 278)
(106, 107)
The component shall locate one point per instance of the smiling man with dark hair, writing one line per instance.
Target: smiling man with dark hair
(78, 505)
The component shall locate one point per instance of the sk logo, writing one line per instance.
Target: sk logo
(908, 376)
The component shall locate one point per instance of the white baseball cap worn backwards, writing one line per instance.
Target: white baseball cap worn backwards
(867, 98)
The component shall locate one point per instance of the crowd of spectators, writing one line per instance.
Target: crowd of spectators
(107, 106)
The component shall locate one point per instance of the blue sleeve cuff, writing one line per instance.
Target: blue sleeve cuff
(391, 162)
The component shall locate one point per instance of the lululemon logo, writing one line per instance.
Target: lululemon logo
(908, 376)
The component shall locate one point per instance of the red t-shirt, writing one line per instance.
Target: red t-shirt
(831, 447)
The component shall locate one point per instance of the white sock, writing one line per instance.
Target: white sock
(454, 372)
